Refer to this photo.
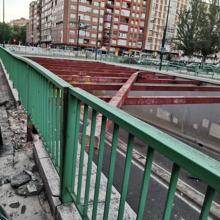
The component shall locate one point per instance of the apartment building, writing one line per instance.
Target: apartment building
(19, 22)
(46, 21)
(157, 20)
(34, 24)
(116, 25)
(125, 24)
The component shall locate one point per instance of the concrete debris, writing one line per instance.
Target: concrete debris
(3, 102)
(33, 176)
(23, 209)
(32, 188)
(4, 180)
(20, 179)
(14, 205)
(17, 164)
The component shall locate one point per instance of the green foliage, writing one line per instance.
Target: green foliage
(209, 40)
(11, 33)
(199, 28)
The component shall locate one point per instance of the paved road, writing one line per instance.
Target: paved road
(183, 208)
(157, 191)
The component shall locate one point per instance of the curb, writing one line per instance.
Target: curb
(51, 182)
(14, 92)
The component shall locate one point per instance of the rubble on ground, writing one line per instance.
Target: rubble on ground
(22, 194)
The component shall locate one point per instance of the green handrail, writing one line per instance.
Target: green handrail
(55, 108)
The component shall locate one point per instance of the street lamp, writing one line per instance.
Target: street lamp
(164, 37)
(3, 34)
(97, 33)
(77, 44)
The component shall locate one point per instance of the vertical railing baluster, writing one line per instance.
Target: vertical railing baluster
(75, 144)
(127, 170)
(145, 183)
(48, 116)
(210, 192)
(89, 165)
(111, 171)
(99, 167)
(82, 152)
(57, 127)
(171, 192)
(51, 119)
(70, 139)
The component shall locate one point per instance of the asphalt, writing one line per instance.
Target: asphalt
(157, 191)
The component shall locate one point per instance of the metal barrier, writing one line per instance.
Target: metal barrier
(55, 109)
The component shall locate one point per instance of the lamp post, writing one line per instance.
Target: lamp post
(164, 37)
(3, 34)
(97, 33)
(77, 44)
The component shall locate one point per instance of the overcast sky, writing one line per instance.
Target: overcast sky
(15, 9)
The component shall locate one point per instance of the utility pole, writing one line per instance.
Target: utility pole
(77, 44)
(110, 35)
(3, 34)
(97, 33)
(164, 37)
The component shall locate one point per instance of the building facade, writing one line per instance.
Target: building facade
(157, 20)
(114, 25)
(34, 24)
(19, 22)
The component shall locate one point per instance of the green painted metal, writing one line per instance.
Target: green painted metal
(83, 144)
(111, 171)
(171, 192)
(127, 170)
(89, 164)
(54, 108)
(207, 203)
(99, 167)
(145, 183)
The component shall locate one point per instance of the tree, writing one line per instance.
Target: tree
(188, 29)
(199, 28)
(12, 33)
(6, 29)
(209, 37)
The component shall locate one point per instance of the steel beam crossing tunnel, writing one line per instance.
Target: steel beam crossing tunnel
(94, 77)
(142, 92)
(55, 109)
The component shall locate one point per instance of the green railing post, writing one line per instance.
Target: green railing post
(64, 169)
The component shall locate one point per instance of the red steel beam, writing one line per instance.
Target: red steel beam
(168, 81)
(89, 73)
(117, 86)
(171, 100)
(167, 100)
(96, 79)
(117, 100)
(83, 79)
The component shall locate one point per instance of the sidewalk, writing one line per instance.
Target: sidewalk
(21, 189)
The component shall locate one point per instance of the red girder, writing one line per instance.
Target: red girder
(167, 100)
(117, 100)
(117, 86)
(104, 79)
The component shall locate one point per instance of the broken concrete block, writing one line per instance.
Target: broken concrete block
(20, 179)
(14, 205)
(30, 189)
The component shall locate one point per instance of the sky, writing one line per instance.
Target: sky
(14, 9)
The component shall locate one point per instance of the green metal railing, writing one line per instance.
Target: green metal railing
(55, 109)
